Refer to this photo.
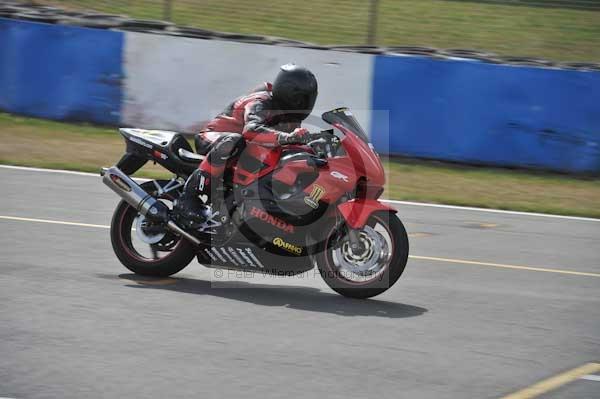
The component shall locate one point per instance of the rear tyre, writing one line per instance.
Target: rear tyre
(371, 272)
(177, 252)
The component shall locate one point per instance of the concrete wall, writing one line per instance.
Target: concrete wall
(177, 82)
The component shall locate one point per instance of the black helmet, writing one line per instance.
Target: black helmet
(295, 89)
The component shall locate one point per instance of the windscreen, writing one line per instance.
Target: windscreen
(344, 117)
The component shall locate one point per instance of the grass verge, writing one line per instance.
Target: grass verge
(518, 28)
(47, 144)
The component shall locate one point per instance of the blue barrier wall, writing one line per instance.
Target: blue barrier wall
(490, 114)
(60, 72)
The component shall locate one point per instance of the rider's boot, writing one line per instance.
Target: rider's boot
(196, 203)
(191, 208)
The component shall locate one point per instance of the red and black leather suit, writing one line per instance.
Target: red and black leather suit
(253, 118)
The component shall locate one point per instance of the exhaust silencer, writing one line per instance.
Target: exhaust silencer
(131, 192)
(140, 200)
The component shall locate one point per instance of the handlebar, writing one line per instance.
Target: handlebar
(323, 143)
(325, 134)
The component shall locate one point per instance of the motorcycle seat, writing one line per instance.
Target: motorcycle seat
(202, 145)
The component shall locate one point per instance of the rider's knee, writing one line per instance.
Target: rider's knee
(225, 148)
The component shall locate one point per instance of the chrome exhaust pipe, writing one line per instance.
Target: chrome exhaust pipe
(130, 191)
(140, 200)
(176, 229)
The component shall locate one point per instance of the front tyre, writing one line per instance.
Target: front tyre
(375, 267)
(145, 249)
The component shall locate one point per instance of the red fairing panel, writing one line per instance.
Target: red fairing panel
(269, 157)
(357, 212)
(290, 172)
(364, 161)
(338, 178)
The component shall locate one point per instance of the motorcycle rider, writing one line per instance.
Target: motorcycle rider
(268, 117)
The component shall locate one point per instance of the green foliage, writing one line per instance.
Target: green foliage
(562, 31)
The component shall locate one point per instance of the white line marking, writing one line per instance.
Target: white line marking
(590, 377)
(66, 172)
(408, 203)
(97, 226)
(469, 208)
(61, 171)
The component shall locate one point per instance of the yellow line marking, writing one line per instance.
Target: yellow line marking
(488, 225)
(552, 383)
(419, 234)
(517, 267)
(97, 226)
(430, 258)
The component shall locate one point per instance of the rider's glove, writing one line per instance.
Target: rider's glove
(298, 136)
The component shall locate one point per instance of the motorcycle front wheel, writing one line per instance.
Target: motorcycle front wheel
(371, 269)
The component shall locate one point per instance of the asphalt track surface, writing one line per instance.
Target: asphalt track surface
(468, 319)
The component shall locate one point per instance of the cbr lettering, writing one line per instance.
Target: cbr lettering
(265, 217)
(338, 175)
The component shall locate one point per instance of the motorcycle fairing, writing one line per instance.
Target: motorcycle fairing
(274, 232)
(282, 200)
(357, 211)
(240, 253)
(344, 117)
(336, 178)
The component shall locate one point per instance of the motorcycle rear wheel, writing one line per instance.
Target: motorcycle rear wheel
(179, 252)
(380, 267)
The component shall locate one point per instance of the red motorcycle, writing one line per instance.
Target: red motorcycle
(278, 212)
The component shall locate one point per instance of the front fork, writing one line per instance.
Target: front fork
(356, 214)
(354, 239)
